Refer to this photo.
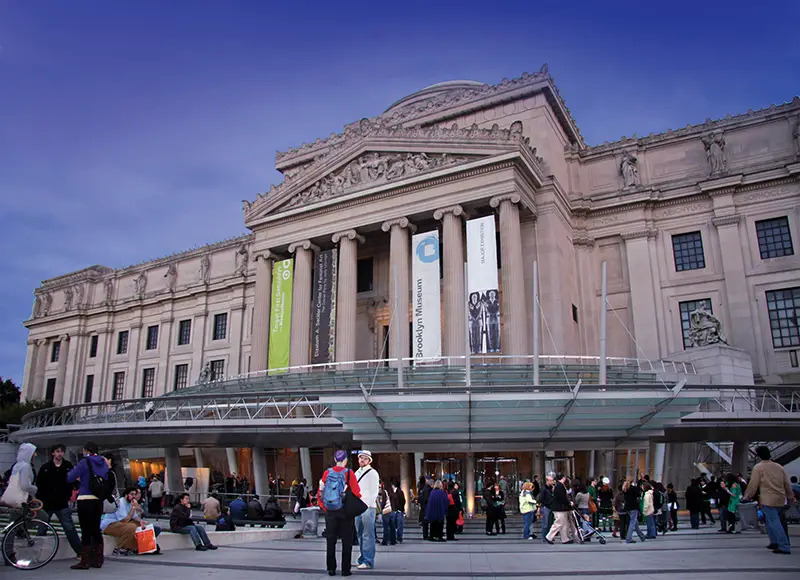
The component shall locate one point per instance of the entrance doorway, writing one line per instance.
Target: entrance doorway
(444, 468)
(491, 469)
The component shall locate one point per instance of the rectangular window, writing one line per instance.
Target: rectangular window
(148, 382)
(774, 238)
(122, 342)
(686, 309)
(87, 395)
(55, 351)
(793, 358)
(181, 376)
(119, 386)
(152, 338)
(217, 369)
(220, 326)
(184, 332)
(364, 276)
(688, 250)
(784, 311)
(93, 346)
(50, 392)
(574, 313)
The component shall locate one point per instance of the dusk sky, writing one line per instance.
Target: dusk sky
(130, 130)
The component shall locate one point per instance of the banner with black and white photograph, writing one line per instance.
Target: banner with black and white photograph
(482, 287)
(323, 308)
(426, 303)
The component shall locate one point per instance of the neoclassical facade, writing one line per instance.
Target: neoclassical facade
(707, 214)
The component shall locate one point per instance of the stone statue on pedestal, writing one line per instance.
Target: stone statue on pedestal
(629, 170)
(205, 374)
(705, 328)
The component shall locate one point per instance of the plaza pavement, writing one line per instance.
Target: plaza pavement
(683, 554)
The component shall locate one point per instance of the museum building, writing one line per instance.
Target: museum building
(356, 260)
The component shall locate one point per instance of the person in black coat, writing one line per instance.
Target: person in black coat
(273, 511)
(495, 511)
(254, 510)
(694, 503)
(632, 494)
(453, 510)
(424, 494)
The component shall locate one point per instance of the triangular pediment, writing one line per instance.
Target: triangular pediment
(382, 155)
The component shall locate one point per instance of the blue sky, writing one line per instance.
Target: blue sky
(133, 129)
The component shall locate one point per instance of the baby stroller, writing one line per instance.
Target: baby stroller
(585, 529)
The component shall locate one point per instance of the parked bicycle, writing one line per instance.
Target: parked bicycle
(28, 543)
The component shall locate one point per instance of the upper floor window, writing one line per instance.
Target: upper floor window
(184, 332)
(122, 342)
(181, 376)
(93, 346)
(152, 338)
(784, 314)
(119, 386)
(148, 382)
(87, 394)
(774, 238)
(686, 309)
(55, 351)
(50, 390)
(364, 275)
(220, 326)
(688, 251)
(217, 369)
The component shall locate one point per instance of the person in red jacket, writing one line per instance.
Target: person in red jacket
(337, 524)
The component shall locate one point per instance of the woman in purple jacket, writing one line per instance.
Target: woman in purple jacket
(90, 507)
(436, 512)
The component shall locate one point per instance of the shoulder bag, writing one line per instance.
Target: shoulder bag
(353, 506)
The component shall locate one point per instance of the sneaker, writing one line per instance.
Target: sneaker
(211, 547)
(363, 567)
(777, 551)
(630, 541)
(200, 548)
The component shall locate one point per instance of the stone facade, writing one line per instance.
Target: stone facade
(451, 152)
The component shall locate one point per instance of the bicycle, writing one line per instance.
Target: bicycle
(28, 543)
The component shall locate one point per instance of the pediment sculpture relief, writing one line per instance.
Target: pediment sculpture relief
(373, 169)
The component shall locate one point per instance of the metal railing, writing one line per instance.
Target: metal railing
(760, 399)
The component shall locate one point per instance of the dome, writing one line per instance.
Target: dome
(433, 90)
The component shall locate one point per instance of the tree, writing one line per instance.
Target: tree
(9, 393)
(11, 410)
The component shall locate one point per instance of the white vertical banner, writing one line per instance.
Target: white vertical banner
(427, 331)
(483, 298)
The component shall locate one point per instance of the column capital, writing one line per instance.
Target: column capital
(30, 341)
(305, 244)
(41, 341)
(266, 255)
(727, 220)
(513, 198)
(645, 233)
(349, 234)
(401, 223)
(456, 210)
(63, 337)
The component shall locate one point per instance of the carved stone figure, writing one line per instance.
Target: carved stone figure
(205, 374)
(37, 307)
(140, 285)
(705, 328)
(172, 277)
(69, 296)
(108, 284)
(629, 170)
(240, 259)
(715, 152)
(246, 205)
(205, 269)
(47, 300)
(79, 292)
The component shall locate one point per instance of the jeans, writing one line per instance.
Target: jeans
(90, 511)
(527, 520)
(64, 516)
(723, 519)
(633, 525)
(389, 532)
(777, 535)
(399, 524)
(198, 534)
(650, 520)
(545, 520)
(365, 528)
(694, 520)
(337, 525)
(673, 516)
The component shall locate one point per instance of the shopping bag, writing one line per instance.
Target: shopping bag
(460, 519)
(146, 539)
(14, 496)
(592, 506)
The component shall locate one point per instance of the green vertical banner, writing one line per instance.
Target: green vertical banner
(280, 318)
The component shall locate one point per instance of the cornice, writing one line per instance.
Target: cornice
(727, 220)
(513, 198)
(348, 234)
(648, 233)
(305, 244)
(581, 238)
(456, 210)
(401, 223)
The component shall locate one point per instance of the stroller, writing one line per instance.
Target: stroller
(585, 529)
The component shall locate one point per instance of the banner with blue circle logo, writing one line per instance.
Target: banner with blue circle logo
(426, 340)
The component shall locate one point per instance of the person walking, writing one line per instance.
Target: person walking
(398, 500)
(368, 481)
(424, 494)
(180, 522)
(385, 507)
(561, 506)
(621, 519)
(734, 491)
(55, 494)
(546, 502)
(648, 511)
(672, 507)
(453, 510)
(632, 494)
(335, 481)
(156, 489)
(90, 506)
(436, 512)
(694, 503)
(527, 507)
(709, 491)
(772, 485)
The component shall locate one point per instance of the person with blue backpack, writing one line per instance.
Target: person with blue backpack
(335, 482)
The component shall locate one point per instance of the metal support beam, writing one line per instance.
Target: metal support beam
(565, 412)
(660, 406)
(374, 410)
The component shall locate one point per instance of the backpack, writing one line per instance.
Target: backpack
(335, 484)
(658, 500)
(101, 487)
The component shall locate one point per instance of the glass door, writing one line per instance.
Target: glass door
(502, 470)
(444, 468)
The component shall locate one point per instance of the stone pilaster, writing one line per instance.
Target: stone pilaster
(199, 331)
(453, 250)
(61, 396)
(643, 303)
(165, 341)
(346, 294)
(399, 290)
(42, 352)
(301, 302)
(30, 370)
(236, 334)
(132, 390)
(515, 311)
(259, 342)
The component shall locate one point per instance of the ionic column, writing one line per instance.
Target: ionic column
(453, 249)
(61, 373)
(515, 311)
(643, 303)
(259, 341)
(399, 289)
(346, 294)
(42, 351)
(301, 302)
(30, 370)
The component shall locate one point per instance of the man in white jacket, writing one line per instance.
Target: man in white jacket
(368, 481)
